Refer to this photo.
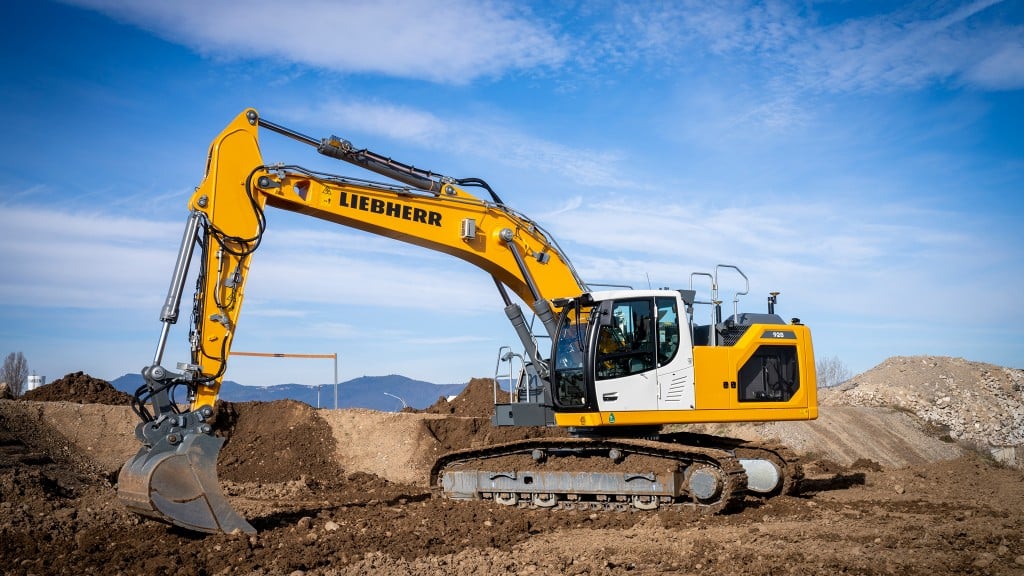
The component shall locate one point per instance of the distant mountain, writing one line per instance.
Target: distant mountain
(384, 393)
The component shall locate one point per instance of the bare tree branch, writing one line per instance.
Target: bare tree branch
(831, 371)
(15, 372)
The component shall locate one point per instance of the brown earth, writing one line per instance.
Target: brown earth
(81, 388)
(275, 442)
(476, 399)
(344, 492)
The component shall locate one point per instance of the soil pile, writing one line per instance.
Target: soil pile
(476, 399)
(976, 403)
(278, 441)
(81, 388)
(45, 484)
(458, 433)
(472, 427)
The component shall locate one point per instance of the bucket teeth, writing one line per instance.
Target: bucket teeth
(178, 484)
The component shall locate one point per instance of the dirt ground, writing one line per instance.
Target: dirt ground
(344, 492)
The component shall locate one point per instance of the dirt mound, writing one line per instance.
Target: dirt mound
(30, 442)
(476, 399)
(278, 441)
(471, 425)
(81, 388)
(976, 403)
(45, 482)
(392, 445)
(404, 446)
(458, 433)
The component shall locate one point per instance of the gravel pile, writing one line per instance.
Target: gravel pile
(980, 404)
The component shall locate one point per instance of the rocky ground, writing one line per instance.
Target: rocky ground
(977, 404)
(900, 480)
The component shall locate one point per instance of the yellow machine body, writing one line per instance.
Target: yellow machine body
(716, 394)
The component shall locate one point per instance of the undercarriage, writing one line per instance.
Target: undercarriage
(703, 473)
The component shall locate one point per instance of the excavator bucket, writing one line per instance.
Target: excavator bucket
(178, 484)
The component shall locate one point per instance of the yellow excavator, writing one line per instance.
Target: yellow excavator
(622, 365)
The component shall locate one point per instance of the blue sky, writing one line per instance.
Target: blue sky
(865, 159)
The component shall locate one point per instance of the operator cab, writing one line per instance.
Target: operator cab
(636, 356)
(624, 350)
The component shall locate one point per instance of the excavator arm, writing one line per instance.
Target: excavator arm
(173, 476)
(424, 209)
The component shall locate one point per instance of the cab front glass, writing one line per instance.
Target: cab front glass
(568, 376)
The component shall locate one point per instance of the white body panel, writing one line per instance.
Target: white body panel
(634, 392)
(676, 387)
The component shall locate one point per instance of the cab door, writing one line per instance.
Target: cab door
(675, 357)
(625, 357)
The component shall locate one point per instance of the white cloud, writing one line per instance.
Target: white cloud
(306, 268)
(901, 50)
(85, 260)
(277, 312)
(780, 44)
(402, 123)
(445, 340)
(96, 283)
(449, 42)
(480, 137)
(568, 206)
(1002, 68)
(832, 258)
(96, 260)
(360, 279)
(784, 46)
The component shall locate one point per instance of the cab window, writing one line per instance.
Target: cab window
(668, 330)
(626, 340)
(568, 379)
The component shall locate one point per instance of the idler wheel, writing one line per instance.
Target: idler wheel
(704, 484)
